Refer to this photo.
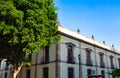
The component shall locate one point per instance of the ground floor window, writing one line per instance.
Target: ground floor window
(45, 72)
(5, 74)
(89, 71)
(28, 73)
(70, 73)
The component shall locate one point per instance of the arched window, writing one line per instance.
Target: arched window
(70, 52)
(89, 62)
(102, 64)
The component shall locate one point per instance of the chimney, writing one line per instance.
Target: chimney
(78, 31)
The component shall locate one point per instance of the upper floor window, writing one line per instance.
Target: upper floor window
(47, 53)
(70, 73)
(102, 64)
(70, 52)
(45, 72)
(119, 62)
(88, 57)
(28, 73)
(111, 61)
(45, 58)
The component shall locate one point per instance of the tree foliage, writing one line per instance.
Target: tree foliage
(25, 27)
(115, 73)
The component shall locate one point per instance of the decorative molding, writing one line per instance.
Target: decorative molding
(57, 60)
(101, 53)
(111, 56)
(70, 43)
(88, 49)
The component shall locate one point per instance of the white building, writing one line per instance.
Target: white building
(61, 60)
(5, 70)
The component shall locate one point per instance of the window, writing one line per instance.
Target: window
(101, 59)
(103, 73)
(88, 57)
(45, 72)
(70, 73)
(111, 61)
(102, 64)
(45, 58)
(119, 62)
(70, 53)
(5, 74)
(46, 54)
(28, 73)
(89, 71)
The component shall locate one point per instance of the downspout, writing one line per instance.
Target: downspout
(58, 60)
(80, 61)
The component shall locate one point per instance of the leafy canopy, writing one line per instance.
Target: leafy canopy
(25, 27)
(115, 73)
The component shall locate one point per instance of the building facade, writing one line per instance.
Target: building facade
(75, 56)
(5, 69)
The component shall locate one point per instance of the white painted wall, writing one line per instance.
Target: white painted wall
(78, 49)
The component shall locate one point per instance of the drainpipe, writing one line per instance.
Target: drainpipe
(57, 60)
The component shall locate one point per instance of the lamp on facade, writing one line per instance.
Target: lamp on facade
(79, 64)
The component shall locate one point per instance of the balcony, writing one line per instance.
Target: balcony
(71, 60)
(89, 63)
(44, 60)
(102, 65)
(112, 66)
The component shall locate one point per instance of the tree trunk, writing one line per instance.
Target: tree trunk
(16, 70)
(14, 75)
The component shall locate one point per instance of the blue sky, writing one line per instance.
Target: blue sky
(98, 17)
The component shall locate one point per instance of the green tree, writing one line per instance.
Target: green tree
(25, 27)
(115, 73)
